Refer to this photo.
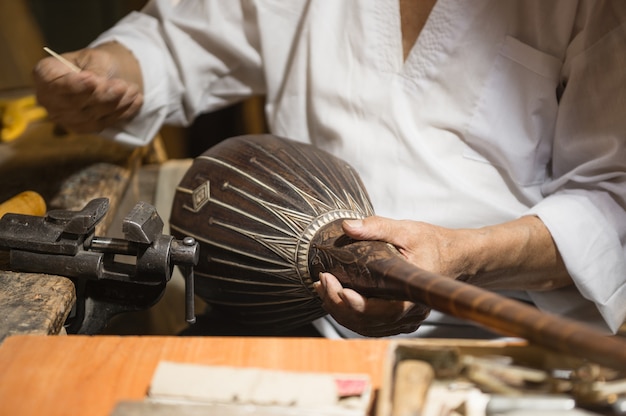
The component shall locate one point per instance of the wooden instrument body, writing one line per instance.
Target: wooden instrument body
(254, 203)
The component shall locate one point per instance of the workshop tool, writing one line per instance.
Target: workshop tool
(16, 114)
(27, 202)
(267, 212)
(111, 275)
(411, 384)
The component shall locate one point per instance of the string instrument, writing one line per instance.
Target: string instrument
(267, 214)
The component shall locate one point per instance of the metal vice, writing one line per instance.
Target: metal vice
(111, 275)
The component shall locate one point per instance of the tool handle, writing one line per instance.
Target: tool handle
(26, 203)
(411, 383)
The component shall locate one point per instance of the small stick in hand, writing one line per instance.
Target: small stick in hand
(62, 59)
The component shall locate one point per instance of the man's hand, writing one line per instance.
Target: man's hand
(518, 255)
(370, 317)
(436, 249)
(421, 244)
(108, 89)
(515, 255)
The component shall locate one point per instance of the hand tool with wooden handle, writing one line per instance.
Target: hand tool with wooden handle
(411, 383)
(27, 203)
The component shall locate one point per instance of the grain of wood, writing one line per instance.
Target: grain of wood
(89, 375)
(412, 381)
(33, 303)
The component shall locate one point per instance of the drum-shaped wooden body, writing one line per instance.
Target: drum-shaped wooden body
(254, 203)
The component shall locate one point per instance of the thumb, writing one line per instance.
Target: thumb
(371, 228)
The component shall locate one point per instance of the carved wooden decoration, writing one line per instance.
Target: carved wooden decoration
(254, 203)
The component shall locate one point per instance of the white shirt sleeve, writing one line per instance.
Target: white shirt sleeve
(195, 56)
(585, 204)
(133, 32)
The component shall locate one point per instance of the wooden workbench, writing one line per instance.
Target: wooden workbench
(82, 375)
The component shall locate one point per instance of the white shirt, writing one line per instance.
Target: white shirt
(468, 131)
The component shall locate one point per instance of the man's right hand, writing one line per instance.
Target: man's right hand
(108, 89)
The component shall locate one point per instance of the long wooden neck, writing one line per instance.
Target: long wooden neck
(376, 269)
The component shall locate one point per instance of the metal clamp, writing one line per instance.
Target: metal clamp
(111, 275)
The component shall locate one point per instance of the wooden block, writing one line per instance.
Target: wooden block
(412, 380)
(33, 303)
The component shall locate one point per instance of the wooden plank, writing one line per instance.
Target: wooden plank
(78, 375)
(33, 303)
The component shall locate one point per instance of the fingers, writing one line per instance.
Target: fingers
(329, 290)
(84, 102)
(63, 89)
(90, 109)
(373, 228)
(49, 69)
(368, 316)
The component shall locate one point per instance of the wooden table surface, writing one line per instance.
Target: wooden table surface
(89, 375)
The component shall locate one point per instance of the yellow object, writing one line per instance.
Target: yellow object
(16, 114)
(27, 203)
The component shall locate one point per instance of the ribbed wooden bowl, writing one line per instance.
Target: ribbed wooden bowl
(254, 203)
